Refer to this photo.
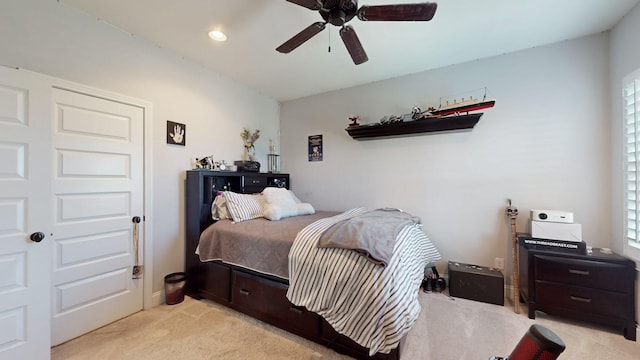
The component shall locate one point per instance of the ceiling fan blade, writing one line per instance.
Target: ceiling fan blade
(353, 45)
(298, 39)
(399, 12)
(309, 4)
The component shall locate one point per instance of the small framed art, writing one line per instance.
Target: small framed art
(315, 148)
(176, 133)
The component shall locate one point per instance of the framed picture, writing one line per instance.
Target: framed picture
(176, 133)
(315, 148)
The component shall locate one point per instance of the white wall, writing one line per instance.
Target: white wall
(545, 144)
(51, 38)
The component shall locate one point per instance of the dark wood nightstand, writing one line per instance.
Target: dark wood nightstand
(597, 287)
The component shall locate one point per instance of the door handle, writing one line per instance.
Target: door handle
(137, 268)
(37, 237)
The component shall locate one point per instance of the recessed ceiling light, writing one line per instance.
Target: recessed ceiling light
(217, 35)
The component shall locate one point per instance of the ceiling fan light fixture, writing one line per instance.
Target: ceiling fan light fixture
(217, 35)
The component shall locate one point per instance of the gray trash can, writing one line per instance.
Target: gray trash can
(174, 287)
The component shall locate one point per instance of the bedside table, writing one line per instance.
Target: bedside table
(597, 287)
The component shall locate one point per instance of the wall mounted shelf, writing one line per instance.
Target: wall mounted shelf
(415, 127)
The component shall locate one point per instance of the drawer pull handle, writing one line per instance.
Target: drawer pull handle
(245, 292)
(581, 299)
(578, 272)
(296, 310)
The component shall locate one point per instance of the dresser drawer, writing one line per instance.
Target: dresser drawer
(580, 299)
(267, 301)
(593, 274)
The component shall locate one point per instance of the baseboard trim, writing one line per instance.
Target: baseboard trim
(156, 299)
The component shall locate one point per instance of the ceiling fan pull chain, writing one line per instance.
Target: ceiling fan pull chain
(329, 39)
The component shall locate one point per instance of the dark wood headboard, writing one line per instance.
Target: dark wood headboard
(202, 187)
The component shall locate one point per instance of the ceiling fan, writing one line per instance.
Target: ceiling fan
(339, 12)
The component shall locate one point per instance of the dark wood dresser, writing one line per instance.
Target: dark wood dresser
(597, 287)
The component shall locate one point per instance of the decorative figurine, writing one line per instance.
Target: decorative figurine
(204, 163)
(354, 121)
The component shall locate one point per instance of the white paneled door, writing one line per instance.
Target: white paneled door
(97, 184)
(71, 181)
(25, 198)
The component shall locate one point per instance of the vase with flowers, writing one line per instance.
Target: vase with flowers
(249, 161)
(249, 140)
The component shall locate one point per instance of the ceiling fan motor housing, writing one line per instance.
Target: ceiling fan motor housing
(332, 13)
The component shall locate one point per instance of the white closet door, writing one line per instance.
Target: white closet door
(97, 179)
(25, 193)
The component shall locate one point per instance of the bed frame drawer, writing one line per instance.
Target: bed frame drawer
(266, 300)
(349, 347)
(212, 280)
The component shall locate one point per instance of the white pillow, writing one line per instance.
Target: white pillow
(244, 207)
(305, 209)
(295, 198)
(219, 210)
(280, 203)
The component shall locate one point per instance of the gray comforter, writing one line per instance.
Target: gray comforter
(372, 233)
(259, 244)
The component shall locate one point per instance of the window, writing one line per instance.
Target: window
(631, 117)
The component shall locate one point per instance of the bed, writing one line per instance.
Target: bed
(279, 274)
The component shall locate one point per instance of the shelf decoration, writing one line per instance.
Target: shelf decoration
(273, 159)
(452, 115)
(248, 162)
(446, 123)
(249, 140)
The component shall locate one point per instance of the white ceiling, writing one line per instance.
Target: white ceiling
(461, 30)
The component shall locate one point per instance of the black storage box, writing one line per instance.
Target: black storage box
(247, 166)
(475, 282)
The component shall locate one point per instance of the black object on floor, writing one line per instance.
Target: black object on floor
(475, 282)
(539, 343)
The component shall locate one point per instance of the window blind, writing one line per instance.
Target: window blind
(631, 117)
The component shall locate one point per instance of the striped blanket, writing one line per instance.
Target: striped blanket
(373, 305)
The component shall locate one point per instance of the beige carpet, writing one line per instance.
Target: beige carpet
(448, 328)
